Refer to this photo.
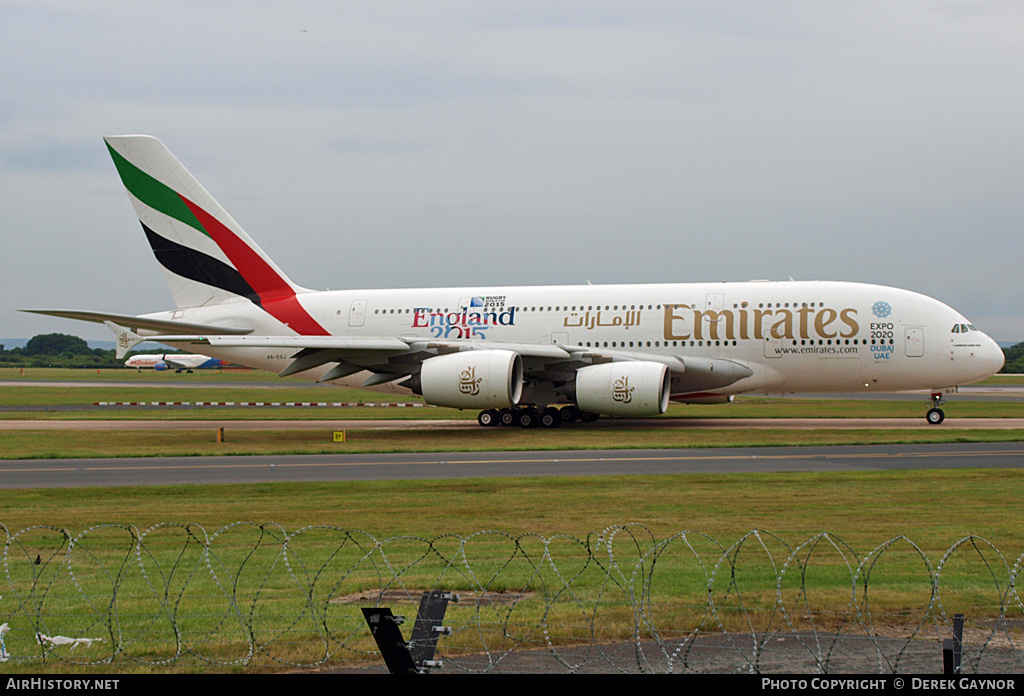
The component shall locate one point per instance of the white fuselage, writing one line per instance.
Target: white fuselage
(794, 336)
(173, 360)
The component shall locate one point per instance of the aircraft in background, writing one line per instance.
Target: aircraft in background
(529, 355)
(176, 361)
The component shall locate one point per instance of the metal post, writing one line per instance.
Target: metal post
(958, 641)
(952, 648)
(428, 627)
(384, 627)
(417, 655)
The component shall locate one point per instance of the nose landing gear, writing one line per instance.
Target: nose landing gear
(935, 414)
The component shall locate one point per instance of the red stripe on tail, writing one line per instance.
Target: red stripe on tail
(276, 295)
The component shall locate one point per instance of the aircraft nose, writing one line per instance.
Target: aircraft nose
(984, 360)
(994, 356)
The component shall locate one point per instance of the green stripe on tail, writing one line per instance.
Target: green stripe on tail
(153, 193)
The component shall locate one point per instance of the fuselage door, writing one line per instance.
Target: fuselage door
(357, 313)
(713, 304)
(914, 341)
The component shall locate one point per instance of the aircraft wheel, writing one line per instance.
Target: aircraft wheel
(587, 417)
(570, 414)
(526, 418)
(935, 416)
(507, 417)
(487, 418)
(551, 417)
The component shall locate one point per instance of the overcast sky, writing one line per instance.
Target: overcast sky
(404, 144)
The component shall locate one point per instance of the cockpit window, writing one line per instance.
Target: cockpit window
(956, 328)
(972, 327)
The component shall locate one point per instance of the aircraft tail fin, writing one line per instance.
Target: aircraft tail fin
(206, 256)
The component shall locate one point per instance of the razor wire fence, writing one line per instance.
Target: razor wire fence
(251, 595)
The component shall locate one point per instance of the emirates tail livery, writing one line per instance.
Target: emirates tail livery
(519, 353)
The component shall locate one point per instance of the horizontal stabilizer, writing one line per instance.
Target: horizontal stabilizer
(144, 323)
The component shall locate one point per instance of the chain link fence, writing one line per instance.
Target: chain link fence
(256, 596)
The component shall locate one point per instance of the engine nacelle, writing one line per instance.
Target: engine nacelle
(634, 388)
(473, 379)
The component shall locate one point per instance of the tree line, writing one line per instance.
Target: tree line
(1014, 359)
(59, 350)
(64, 350)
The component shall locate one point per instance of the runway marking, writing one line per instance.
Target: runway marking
(562, 460)
(34, 469)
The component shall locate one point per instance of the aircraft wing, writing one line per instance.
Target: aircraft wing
(142, 323)
(390, 358)
(383, 355)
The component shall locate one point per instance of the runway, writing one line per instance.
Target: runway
(155, 471)
(58, 473)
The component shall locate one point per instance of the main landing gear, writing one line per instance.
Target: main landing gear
(531, 416)
(935, 414)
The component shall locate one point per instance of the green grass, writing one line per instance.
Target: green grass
(742, 407)
(419, 524)
(88, 395)
(1004, 379)
(46, 444)
(62, 374)
(934, 510)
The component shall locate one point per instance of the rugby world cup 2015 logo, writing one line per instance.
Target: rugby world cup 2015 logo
(469, 383)
(472, 320)
(621, 391)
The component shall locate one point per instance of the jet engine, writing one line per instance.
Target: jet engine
(473, 379)
(634, 388)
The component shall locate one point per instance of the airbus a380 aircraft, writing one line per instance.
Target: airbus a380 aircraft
(516, 353)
